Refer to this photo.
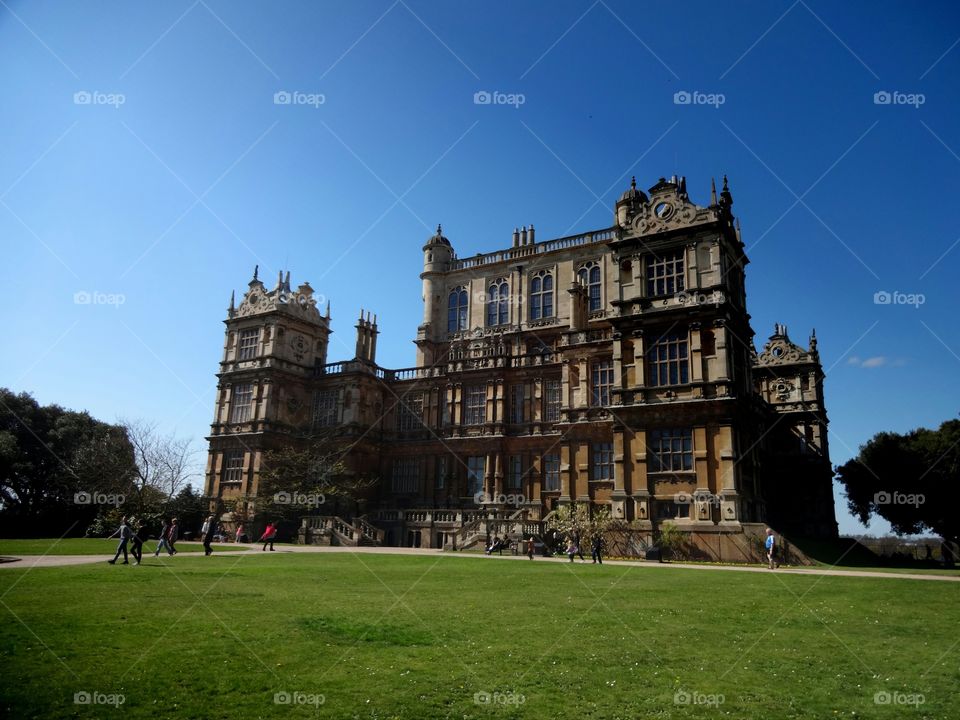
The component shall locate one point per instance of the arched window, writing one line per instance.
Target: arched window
(498, 308)
(589, 275)
(457, 310)
(541, 295)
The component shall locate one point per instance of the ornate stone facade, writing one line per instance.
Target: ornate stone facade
(615, 367)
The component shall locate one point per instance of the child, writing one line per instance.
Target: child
(771, 545)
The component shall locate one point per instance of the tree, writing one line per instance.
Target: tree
(581, 521)
(54, 464)
(309, 476)
(161, 463)
(909, 480)
(189, 508)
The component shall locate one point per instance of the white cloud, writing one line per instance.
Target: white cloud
(875, 361)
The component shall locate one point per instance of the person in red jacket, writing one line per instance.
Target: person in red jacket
(268, 536)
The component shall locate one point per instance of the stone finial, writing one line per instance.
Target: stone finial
(726, 199)
(713, 192)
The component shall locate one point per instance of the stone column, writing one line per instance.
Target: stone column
(696, 354)
(567, 459)
(639, 359)
(723, 358)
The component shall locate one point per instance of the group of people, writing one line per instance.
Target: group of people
(130, 540)
(129, 534)
(498, 545)
(596, 548)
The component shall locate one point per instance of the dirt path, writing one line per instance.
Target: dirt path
(43, 561)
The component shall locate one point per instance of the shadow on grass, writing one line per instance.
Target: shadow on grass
(850, 553)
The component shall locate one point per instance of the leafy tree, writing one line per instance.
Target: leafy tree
(309, 477)
(671, 539)
(909, 480)
(52, 462)
(189, 507)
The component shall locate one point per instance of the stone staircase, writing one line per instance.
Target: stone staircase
(334, 530)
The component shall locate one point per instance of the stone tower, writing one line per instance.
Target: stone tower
(275, 342)
(437, 256)
(790, 379)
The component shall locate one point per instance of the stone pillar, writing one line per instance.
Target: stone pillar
(582, 480)
(639, 359)
(534, 479)
(640, 482)
(456, 405)
(696, 364)
(727, 484)
(621, 468)
(583, 389)
(536, 403)
(566, 464)
(498, 475)
(723, 352)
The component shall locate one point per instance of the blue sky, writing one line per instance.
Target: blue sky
(146, 160)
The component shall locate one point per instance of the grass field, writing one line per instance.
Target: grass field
(91, 546)
(381, 636)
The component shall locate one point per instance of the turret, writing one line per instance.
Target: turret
(437, 257)
(629, 204)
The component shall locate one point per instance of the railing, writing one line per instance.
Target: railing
(579, 337)
(329, 369)
(470, 533)
(537, 249)
(347, 534)
(370, 532)
(413, 373)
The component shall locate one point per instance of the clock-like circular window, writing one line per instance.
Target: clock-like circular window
(663, 210)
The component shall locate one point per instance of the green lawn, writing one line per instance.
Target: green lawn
(379, 636)
(90, 546)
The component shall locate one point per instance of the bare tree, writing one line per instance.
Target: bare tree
(162, 462)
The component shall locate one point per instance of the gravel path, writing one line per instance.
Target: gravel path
(43, 561)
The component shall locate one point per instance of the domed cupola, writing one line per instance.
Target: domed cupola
(438, 238)
(437, 253)
(629, 204)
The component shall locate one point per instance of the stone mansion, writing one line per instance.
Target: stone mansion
(616, 367)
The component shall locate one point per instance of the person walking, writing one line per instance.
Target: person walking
(136, 542)
(596, 548)
(268, 536)
(124, 532)
(576, 541)
(571, 549)
(241, 535)
(173, 534)
(162, 543)
(208, 531)
(771, 545)
(530, 547)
